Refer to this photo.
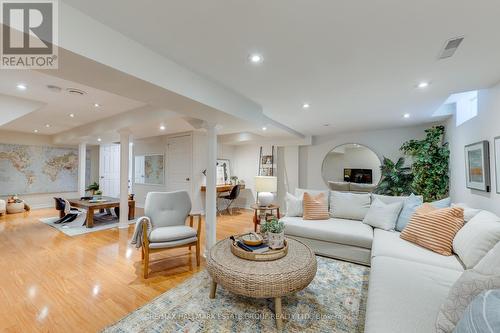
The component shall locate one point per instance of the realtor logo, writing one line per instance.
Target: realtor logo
(29, 34)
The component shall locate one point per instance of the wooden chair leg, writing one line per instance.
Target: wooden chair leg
(198, 253)
(146, 263)
(142, 253)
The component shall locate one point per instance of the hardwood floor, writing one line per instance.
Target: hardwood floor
(51, 282)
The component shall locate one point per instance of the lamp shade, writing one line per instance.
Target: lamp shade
(266, 184)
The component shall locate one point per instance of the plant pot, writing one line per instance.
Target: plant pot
(276, 241)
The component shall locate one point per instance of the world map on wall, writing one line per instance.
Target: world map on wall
(37, 169)
(153, 169)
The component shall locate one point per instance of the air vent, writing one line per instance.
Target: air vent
(75, 91)
(53, 88)
(450, 47)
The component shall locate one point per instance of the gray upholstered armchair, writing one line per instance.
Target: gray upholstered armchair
(164, 225)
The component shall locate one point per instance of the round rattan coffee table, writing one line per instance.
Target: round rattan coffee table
(262, 279)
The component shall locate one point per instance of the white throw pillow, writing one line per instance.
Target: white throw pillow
(469, 212)
(490, 264)
(299, 193)
(476, 238)
(388, 199)
(353, 206)
(294, 205)
(382, 215)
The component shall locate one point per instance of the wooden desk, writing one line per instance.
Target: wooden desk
(222, 188)
(110, 203)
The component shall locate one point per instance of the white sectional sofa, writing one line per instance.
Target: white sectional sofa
(408, 283)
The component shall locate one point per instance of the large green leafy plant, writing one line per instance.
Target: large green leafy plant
(396, 178)
(430, 166)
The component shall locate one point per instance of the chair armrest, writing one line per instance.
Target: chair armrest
(145, 238)
(191, 218)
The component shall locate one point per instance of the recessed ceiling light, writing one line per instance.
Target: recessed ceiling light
(423, 84)
(97, 105)
(264, 128)
(36, 131)
(47, 125)
(406, 115)
(256, 58)
(99, 139)
(162, 127)
(72, 115)
(21, 86)
(306, 106)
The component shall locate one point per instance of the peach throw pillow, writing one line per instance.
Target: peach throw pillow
(434, 228)
(315, 207)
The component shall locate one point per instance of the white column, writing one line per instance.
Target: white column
(82, 167)
(124, 170)
(211, 194)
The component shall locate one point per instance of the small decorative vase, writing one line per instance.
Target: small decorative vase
(276, 241)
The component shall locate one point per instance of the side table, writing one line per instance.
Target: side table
(258, 210)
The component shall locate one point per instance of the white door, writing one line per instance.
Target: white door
(179, 163)
(109, 170)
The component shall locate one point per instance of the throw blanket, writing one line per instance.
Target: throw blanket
(137, 236)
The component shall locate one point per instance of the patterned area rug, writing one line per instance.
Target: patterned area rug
(334, 302)
(102, 221)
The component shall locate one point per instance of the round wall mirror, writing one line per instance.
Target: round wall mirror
(351, 163)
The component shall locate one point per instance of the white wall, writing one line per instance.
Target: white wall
(44, 200)
(486, 126)
(383, 143)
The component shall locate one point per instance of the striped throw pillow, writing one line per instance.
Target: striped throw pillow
(315, 207)
(434, 228)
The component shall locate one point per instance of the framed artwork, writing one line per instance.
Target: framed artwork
(497, 163)
(223, 172)
(149, 169)
(477, 166)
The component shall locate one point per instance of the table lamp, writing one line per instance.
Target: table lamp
(264, 186)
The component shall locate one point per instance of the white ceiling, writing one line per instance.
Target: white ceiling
(54, 108)
(356, 62)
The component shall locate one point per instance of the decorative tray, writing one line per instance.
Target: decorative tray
(266, 256)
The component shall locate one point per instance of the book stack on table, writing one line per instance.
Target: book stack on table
(262, 248)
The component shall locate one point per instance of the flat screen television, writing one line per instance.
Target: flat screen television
(360, 176)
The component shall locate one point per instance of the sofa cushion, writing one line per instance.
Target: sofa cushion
(405, 296)
(362, 188)
(294, 205)
(490, 264)
(339, 186)
(477, 237)
(469, 212)
(383, 216)
(315, 207)
(434, 228)
(443, 203)
(410, 205)
(299, 193)
(168, 234)
(388, 199)
(347, 232)
(389, 244)
(353, 206)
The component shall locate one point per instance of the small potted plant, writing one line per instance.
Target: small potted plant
(93, 188)
(275, 230)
